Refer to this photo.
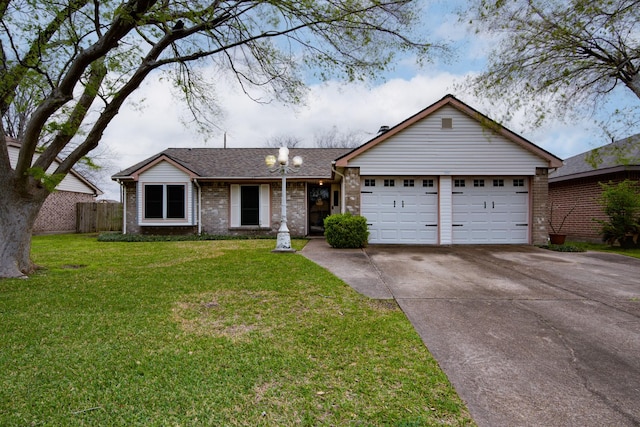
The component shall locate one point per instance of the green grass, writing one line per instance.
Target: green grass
(220, 333)
(601, 247)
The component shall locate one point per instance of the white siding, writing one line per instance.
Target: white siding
(165, 173)
(446, 210)
(69, 182)
(467, 149)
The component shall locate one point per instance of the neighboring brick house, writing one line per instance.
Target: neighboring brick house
(58, 213)
(447, 175)
(576, 185)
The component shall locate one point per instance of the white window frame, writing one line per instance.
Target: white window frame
(235, 207)
(185, 220)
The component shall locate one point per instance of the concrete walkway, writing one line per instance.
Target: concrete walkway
(353, 266)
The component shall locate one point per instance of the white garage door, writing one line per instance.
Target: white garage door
(490, 210)
(400, 210)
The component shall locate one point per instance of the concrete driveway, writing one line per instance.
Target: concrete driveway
(528, 337)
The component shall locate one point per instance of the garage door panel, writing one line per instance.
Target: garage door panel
(400, 214)
(491, 214)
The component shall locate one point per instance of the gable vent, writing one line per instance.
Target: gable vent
(447, 123)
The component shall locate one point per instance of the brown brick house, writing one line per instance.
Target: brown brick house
(446, 175)
(576, 185)
(58, 213)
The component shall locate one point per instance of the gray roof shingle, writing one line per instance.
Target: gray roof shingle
(619, 155)
(240, 163)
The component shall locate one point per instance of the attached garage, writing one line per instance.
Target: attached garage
(449, 175)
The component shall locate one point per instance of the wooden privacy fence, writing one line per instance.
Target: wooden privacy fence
(95, 217)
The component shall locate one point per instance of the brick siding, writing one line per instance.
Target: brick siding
(540, 207)
(296, 208)
(132, 208)
(58, 213)
(352, 190)
(215, 212)
(583, 193)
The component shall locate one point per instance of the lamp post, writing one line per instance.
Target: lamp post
(281, 164)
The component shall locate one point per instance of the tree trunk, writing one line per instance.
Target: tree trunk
(18, 213)
(634, 84)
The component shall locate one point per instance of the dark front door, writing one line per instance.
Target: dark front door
(319, 207)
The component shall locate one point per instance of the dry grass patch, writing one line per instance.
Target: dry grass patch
(215, 314)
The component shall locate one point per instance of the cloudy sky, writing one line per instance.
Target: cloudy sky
(142, 130)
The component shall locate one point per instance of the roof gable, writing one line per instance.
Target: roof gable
(156, 161)
(73, 182)
(451, 101)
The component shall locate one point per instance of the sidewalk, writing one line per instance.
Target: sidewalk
(351, 265)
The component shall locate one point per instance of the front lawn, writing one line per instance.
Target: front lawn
(220, 333)
(601, 247)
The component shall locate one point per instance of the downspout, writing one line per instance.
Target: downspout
(342, 187)
(123, 200)
(195, 181)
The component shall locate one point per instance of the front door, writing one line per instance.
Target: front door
(319, 199)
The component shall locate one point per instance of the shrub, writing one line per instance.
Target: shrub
(346, 231)
(621, 203)
(119, 237)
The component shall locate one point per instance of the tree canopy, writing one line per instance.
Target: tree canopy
(66, 69)
(559, 56)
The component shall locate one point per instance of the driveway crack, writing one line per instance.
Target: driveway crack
(574, 363)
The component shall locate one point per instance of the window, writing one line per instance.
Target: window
(498, 182)
(389, 182)
(478, 182)
(408, 182)
(427, 183)
(249, 205)
(164, 201)
(447, 123)
(369, 182)
(518, 182)
(458, 183)
(153, 201)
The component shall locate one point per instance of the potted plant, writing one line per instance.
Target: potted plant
(556, 237)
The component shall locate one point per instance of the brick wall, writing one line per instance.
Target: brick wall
(352, 190)
(540, 207)
(215, 211)
(58, 213)
(583, 193)
(215, 208)
(131, 211)
(296, 208)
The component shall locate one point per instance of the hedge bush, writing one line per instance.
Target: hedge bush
(119, 237)
(621, 203)
(346, 231)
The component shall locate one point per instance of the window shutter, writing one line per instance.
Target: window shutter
(235, 205)
(265, 205)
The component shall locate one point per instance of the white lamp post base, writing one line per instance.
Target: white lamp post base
(283, 243)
